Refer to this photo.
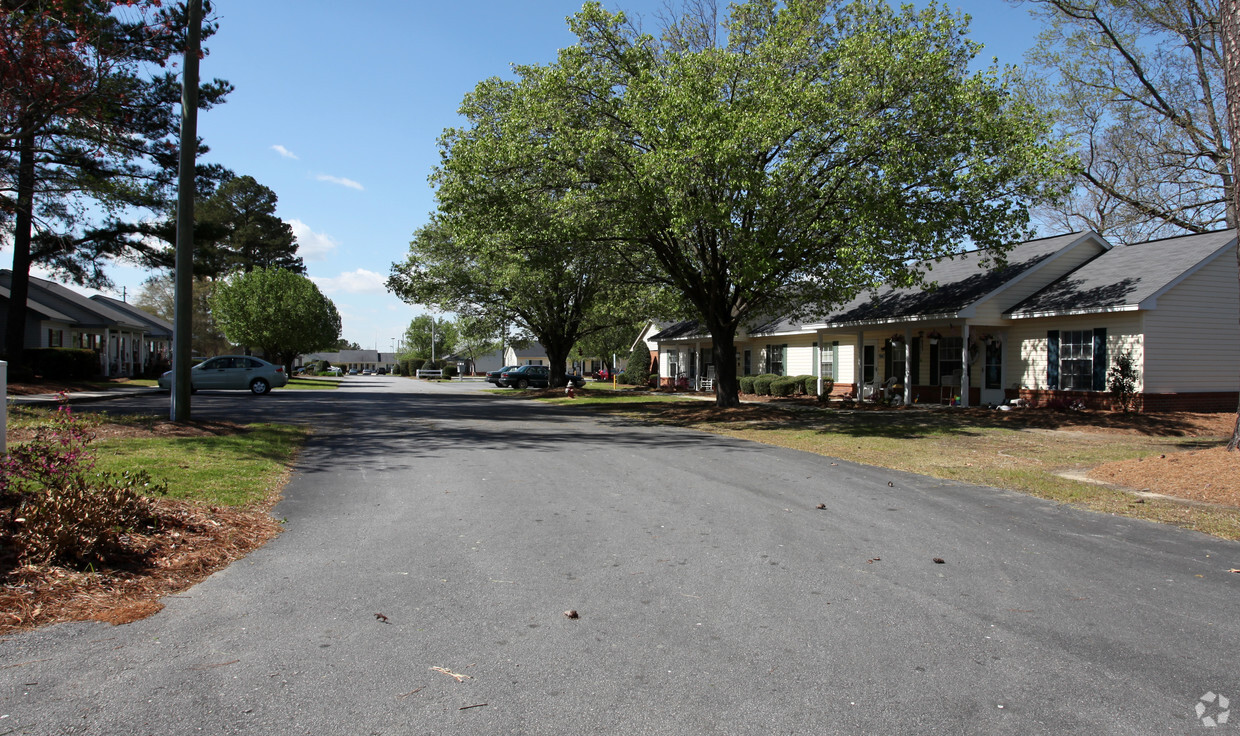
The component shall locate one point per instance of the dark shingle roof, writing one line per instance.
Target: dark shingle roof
(79, 308)
(157, 327)
(680, 330)
(961, 282)
(1126, 276)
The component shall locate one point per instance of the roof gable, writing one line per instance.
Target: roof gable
(1127, 277)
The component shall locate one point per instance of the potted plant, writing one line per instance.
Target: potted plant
(934, 337)
(897, 341)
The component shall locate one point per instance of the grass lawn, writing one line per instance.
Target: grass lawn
(1000, 449)
(228, 469)
(315, 383)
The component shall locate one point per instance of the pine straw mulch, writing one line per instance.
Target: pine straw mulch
(188, 543)
(45, 386)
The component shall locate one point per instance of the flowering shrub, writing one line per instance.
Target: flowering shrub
(66, 512)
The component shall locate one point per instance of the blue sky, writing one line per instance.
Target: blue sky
(338, 107)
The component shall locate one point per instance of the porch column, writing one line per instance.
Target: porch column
(908, 367)
(964, 363)
(818, 358)
(859, 363)
(107, 352)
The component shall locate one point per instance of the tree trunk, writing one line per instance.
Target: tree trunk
(23, 226)
(557, 353)
(1229, 17)
(727, 389)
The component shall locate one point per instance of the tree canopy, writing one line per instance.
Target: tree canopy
(251, 235)
(418, 337)
(280, 313)
(157, 296)
(816, 151)
(89, 117)
(1137, 85)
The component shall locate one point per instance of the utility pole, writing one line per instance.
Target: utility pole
(183, 328)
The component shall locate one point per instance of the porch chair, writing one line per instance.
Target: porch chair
(950, 386)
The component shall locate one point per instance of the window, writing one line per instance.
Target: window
(673, 364)
(748, 364)
(949, 359)
(775, 359)
(896, 351)
(867, 364)
(826, 367)
(1076, 360)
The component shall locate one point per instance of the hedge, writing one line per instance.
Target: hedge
(806, 385)
(62, 363)
(746, 383)
(449, 370)
(784, 386)
(762, 384)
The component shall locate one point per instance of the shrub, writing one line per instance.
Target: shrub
(637, 369)
(1122, 380)
(827, 385)
(746, 383)
(784, 386)
(806, 385)
(449, 370)
(62, 363)
(762, 384)
(66, 512)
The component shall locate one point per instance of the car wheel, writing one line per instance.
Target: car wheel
(523, 383)
(260, 386)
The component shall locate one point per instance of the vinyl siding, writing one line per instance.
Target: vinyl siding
(1193, 334)
(1025, 349)
(991, 311)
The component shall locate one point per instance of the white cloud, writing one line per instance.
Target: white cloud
(341, 181)
(360, 281)
(284, 152)
(312, 246)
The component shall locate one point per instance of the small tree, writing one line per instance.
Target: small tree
(637, 371)
(277, 311)
(1122, 380)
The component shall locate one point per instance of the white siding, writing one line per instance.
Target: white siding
(991, 310)
(1025, 349)
(1193, 334)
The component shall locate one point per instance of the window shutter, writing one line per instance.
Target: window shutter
(815, 367)
(783, 359)
(1052, 359)
(888, 359)
(1100, 359)
(934, 364)
(835, 360)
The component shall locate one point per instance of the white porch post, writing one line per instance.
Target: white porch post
(908, 367)
(818, 361)
(964, 362)
(107, 352)
(859, 365)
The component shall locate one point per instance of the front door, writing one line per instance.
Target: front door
(992, 375)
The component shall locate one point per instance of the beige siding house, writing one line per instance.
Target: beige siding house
(1045, 323)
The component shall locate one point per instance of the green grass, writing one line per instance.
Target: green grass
(221, 470)
(302, 382)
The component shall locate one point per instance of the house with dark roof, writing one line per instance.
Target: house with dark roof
(59, 317)
(1046, 320)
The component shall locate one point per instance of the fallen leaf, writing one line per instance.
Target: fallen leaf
(876, 559)
(450, 673)
(1234, 569)
(939, 561)
(572, 613)
(821, 506)
(890, 484)
(381, 617)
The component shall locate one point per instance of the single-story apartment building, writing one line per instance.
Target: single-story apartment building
(127, 340)
(1044, 322)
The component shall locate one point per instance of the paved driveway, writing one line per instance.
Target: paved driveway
(713, 596)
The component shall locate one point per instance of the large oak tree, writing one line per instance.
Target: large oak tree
(814, 152)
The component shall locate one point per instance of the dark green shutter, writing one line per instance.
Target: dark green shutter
(783, 359)
(1052, 359)
(835, 359)
(934, 364)
(888, 359)
(1100, 359)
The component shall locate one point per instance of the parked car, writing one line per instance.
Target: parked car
(381, 371)
(367, 372)
(493, 376)
(353, 372)
(537, 376)
(235, 372)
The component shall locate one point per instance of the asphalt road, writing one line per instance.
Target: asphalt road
(714, 598)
